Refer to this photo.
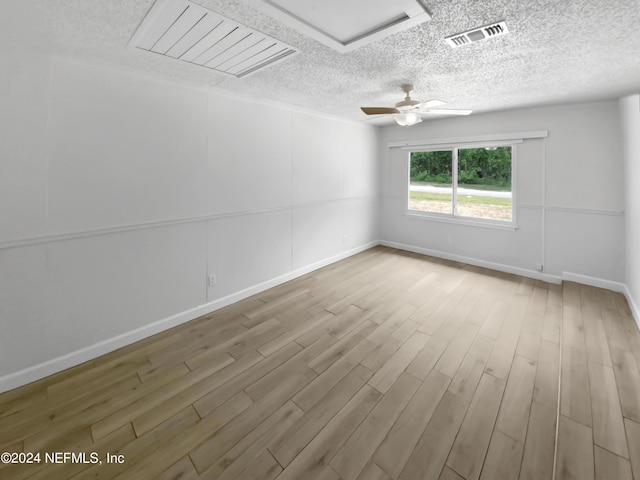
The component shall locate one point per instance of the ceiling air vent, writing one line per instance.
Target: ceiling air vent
(488, 31)
(185, 31)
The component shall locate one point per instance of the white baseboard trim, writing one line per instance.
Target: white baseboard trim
(474, 261)
(42, 370)
(635, 311)
(594, 281)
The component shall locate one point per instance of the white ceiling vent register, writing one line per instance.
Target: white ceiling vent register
(345, 25)
(185, 31)
(488, 31)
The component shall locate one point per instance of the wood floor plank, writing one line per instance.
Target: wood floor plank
(81, 412)
(74, 387)
(147, 418)
(176, 447)
(310, 395)
(633, 334)
(452, 357)
(327, 473)
(545, 390)
(263, 467)
(469, 450)
(216, 397)
(627, 375)
(424, 362)
(448, 474)
(430, 453)
(572, 327)
(382, 353)
(72, 442)
(194, 344)
(20, 403)
(439, 316)
(162, 398)
(387, 375)
(380, 334)
(288, 336)
(182, 469)
(338, 350)
(350, 301)
(493, 323)
(575, 395)
(239, 427)
(136, 450)
(615, 329)
(539, 296)
(553, 314)
(530, 336)
(312, 351)
(475, 288)
(499, 363)
(633, 438)
(321, 450)
(503, 458)
(373, 472)
(111, 443)
(575, 451)
(539, 448)
(595, 337)
(468, 375)
(608, 427)
(406, 431)
(345, 321)
(269, 307)
(286, 447)
(277, 377)
(609, 465)
(355, 454)
(238, 460)
(513, 416)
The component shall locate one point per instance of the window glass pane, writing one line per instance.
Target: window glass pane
(484, 183)
(430, 187)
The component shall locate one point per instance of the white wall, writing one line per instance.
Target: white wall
(570, 194)
(120, 194)
(630, 110)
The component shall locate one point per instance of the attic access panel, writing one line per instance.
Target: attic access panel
(345, 25)
(188, 32)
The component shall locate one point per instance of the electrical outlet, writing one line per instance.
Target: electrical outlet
(539, 267)
(212, 280)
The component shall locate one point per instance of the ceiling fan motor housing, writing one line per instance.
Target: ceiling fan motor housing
(407, 103)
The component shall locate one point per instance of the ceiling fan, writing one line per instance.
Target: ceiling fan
(409, 112)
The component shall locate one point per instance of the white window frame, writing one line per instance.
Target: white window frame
(454, 217)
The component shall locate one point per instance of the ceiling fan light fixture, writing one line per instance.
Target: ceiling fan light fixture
(407, 119)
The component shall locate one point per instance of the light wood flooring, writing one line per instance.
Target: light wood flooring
(386, 365)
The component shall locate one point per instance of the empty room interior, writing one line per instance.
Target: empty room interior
(357, 240)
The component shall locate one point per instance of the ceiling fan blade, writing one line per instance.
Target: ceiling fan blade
(379, 110)
(446, 111)
(430, 103)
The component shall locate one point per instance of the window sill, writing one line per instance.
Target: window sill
(446, 218)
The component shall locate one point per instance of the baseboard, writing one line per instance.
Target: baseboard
(42, 370)
(475, 261)
(594, 281)
(635, 311)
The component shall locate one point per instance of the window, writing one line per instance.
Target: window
(463, 182)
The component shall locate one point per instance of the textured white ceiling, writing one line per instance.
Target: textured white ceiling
(557, 51)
